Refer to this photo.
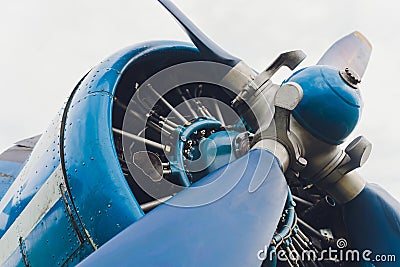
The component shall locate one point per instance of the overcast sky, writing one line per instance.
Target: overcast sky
(46, 46)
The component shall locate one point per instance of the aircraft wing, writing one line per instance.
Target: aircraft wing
(12, 160)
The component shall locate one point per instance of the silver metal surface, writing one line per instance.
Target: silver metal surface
(166, 127)
(262, 106)
(327, 233)
(219, 114)
(359, 150)
(169, 122)
(321, 157)
(139, 139)
(190, 108)
(290, 59)
(152, 204)
(326, 161)
(238, 77)
(347, 188)
(303, 201)
(288, 96)
(275, 148)
(173, 110)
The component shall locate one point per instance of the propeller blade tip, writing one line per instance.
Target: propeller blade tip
(363, 38)
(353, 50)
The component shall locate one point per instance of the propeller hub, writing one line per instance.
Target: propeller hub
(330, 107)
(350, 77)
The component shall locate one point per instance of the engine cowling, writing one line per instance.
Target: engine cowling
(73, 188)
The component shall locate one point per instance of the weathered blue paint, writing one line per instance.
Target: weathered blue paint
(373, 222)
(330, 108)
(100, 192)
(41, 164)
(227, 232)
(91, 163)
(52, 241)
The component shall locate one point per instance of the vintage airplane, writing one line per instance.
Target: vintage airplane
(176, 154)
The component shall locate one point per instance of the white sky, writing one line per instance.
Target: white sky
(46, 47)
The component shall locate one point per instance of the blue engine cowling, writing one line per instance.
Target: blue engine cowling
(72, 197)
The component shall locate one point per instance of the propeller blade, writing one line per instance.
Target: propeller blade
(228, 231)
(206, 46)
(353, 50)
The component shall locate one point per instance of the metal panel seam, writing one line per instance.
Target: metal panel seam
(30, 217)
